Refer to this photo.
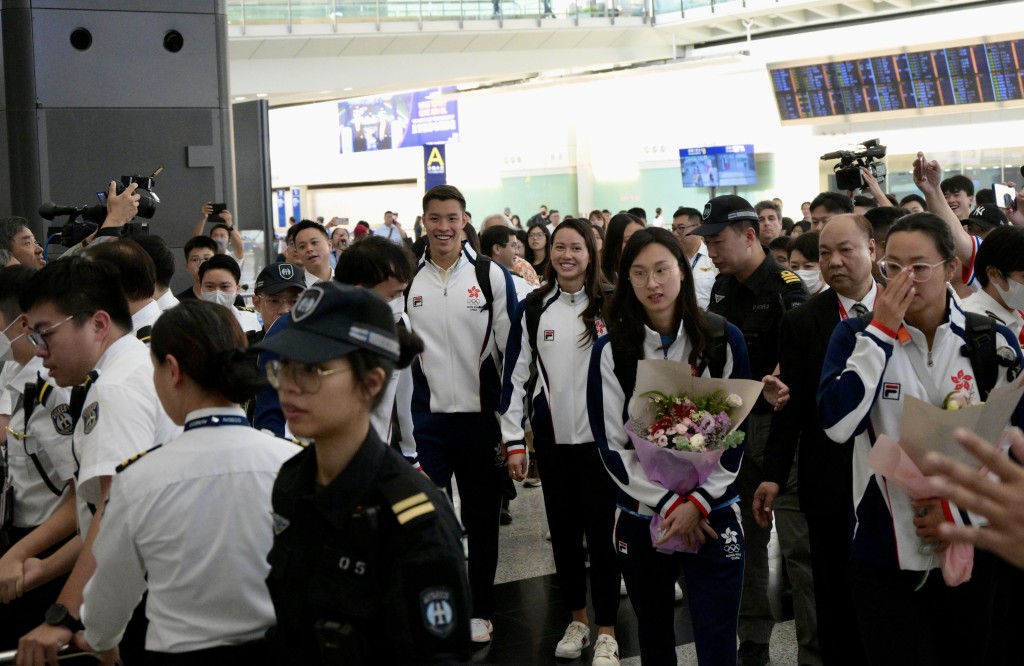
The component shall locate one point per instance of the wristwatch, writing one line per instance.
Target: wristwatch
(59, 616)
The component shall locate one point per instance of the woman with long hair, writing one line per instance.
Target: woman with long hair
(538, 244)
(654, 315)
(618, 232)
(190, 520)
(367, 563)
(569, 312)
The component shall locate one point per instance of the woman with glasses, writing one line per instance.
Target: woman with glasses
(654, 315)
(538, 243)
(569, 312)
(918, 343)
(189, 521)
(367, 564)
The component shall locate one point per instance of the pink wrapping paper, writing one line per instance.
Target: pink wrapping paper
(889, 459)
(679, 471)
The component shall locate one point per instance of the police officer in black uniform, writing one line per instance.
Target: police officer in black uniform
(753, 292)
(367, 564)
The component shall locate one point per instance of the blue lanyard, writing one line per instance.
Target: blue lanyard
(217, 420)
(696, 258)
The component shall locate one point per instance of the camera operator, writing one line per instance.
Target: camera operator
(121, 209)
(18, 239)
(223, 233)
(137, 275)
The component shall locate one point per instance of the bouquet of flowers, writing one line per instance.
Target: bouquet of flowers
(925, 428)
(680, 426)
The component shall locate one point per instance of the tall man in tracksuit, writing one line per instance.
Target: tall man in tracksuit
(457, 381)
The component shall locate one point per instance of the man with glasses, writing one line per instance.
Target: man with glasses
(277, 289)
(685, 220)
(753, 293)
(80, 325)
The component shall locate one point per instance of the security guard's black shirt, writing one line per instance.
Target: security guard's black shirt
(370, 569)
(756, 308)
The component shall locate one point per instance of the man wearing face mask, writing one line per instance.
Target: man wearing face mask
(224, 233)
(219, 279)
(39, 510)
(999, 268)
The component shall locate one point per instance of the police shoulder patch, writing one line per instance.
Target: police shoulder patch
(62, 422)
(243, 308)
(123, 466)
(438, 611)
(90, 415)
(789, 277)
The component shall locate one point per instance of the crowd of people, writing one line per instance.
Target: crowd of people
(189, 480)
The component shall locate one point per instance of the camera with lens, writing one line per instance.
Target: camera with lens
(848, 175)
(84, 220)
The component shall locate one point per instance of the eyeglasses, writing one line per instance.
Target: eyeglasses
(921, 272)
(640, 278)
(38, 338)
(684, 227)
(277, 301)
(307, 376)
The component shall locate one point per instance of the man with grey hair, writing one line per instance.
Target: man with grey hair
(17, 238)
(497, 219)
(520, 266)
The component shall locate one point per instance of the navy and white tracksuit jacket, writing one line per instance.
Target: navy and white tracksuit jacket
(558, 403)
(606, 400)
(869, 371)
(459, 370)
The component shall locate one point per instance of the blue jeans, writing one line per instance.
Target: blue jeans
(714, 582)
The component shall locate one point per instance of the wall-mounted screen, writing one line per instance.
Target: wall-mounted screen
(398, 121)
(718, 166)
(971, 74)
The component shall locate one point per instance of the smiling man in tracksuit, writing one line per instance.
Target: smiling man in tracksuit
(461, 305)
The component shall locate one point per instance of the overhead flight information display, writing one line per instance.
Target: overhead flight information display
(918, 80)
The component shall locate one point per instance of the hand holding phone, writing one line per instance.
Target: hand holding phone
(215, 210)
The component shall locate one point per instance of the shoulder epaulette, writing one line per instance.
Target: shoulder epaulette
(45, 390)
(299, 443)
(123, 466)
(244, 308)
(144, 334)
(408, 502)
(789, 277)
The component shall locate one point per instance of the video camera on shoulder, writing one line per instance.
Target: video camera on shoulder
(83, 220)
(848, 175)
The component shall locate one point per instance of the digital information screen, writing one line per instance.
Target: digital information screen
(398, 121)
(718, 166)
(918, 80)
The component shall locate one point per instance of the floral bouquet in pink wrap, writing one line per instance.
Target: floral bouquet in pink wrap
(681, 425)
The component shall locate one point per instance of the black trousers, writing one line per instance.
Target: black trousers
(467, 445)
(246, 654)
(838, 632)
(579, 499)
(936, 625)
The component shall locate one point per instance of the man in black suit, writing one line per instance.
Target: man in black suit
(824, 469)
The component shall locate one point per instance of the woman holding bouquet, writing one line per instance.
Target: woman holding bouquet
(916, 344)
(654, 315)
(554, 330)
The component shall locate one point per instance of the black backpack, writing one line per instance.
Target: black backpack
(713, 358)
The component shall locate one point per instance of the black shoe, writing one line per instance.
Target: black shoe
(753, 654)
(506, 515)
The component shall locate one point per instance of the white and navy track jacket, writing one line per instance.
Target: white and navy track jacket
(605, 400)
(558, 404)
(459, 370)
(869, 371)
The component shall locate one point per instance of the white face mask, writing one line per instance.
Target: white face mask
(225, 298)
(6, 351)
(222, 244)
(1014, 296)
(811, 279)
(397, 307)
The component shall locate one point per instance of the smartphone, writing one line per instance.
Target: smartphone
(102, 196)
(218, 208)
(1005, 196)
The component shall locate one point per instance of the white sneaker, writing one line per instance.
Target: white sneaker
(606, 651)
(679, 592)
(480, 630)
(577, 637)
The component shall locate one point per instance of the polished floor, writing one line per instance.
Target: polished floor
(530, 618)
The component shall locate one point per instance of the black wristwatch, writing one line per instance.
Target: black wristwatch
(59, 616)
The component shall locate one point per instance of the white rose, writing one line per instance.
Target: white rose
(734, 401)
(697, 442)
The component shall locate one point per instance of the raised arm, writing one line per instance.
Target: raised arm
(927, 176)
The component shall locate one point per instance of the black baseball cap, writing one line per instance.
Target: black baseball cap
(331, 320)
(987, 217)
(277, 277)
(722, 211)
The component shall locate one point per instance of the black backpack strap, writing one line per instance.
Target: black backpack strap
(981, 350)
(714, 355)
(625, 372)
(483, 278)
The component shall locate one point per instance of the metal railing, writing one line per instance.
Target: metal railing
(247, 13)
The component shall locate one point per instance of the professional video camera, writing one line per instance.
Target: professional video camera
(848, 175)
(83, 220)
